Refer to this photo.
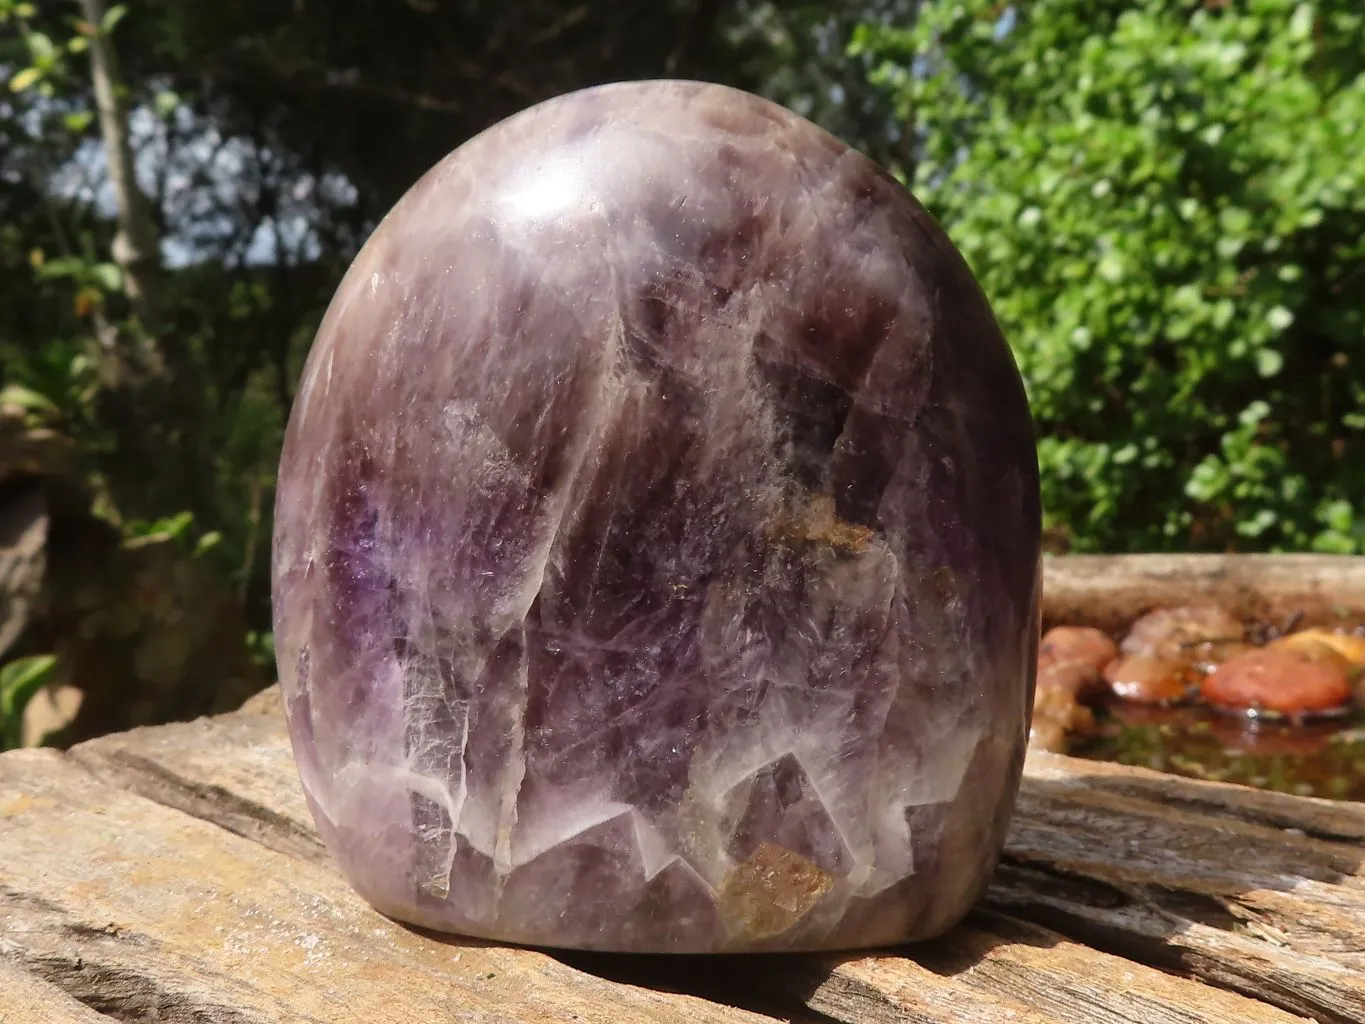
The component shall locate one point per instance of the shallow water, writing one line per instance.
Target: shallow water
(1324, 759)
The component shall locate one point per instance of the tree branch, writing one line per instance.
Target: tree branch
(135, 245)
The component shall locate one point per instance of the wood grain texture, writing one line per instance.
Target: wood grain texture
(996, 967)
(1270, 902)
(1109, 591)
(190, 884)
(147, 913)
(1325, 819)
(26, 999)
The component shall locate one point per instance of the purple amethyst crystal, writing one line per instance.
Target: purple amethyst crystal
(656, 552)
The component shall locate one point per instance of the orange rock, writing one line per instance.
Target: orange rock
(1072, 657)
(1073, 677)
(1288, 681)
(1208, 655)
(1149, 679)
(1311, 645)
(1057, 716)
(1177, 633)
(1081, 644)
(1350, 647)
(1048, 734)
(1053, 702)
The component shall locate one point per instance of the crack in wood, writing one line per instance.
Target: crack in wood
(86, 962)
(27, 999)
(207, 802)
(125, 994)
(1188, 934)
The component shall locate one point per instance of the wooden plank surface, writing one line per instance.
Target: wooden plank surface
(174, 874)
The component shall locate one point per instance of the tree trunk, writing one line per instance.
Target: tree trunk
(135, 245)
(149, 395)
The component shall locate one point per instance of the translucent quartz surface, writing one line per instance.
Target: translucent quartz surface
(657, 542)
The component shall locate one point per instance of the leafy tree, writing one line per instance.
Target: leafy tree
(1165, 201)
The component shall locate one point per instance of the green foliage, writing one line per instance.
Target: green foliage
(20, 681)
(45, 58)
(202, 474)
(1165, 201)
(260, 646)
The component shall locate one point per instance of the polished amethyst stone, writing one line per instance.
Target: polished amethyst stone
(656, 552)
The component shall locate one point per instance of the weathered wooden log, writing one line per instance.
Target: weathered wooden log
(174, 874)
(1110, 591)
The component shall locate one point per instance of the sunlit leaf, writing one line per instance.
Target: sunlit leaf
(24, 79)
(41, 46)
(1269, 362)
(112, 17)
(108, 276)
(25, 398)
(166, 102)
(20, 681)
(207, 542)
(1279, 318)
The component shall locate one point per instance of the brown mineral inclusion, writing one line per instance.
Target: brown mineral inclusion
(657, 542)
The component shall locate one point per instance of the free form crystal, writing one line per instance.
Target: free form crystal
(656, 544)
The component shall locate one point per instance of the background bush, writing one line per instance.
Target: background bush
(1165, 202)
